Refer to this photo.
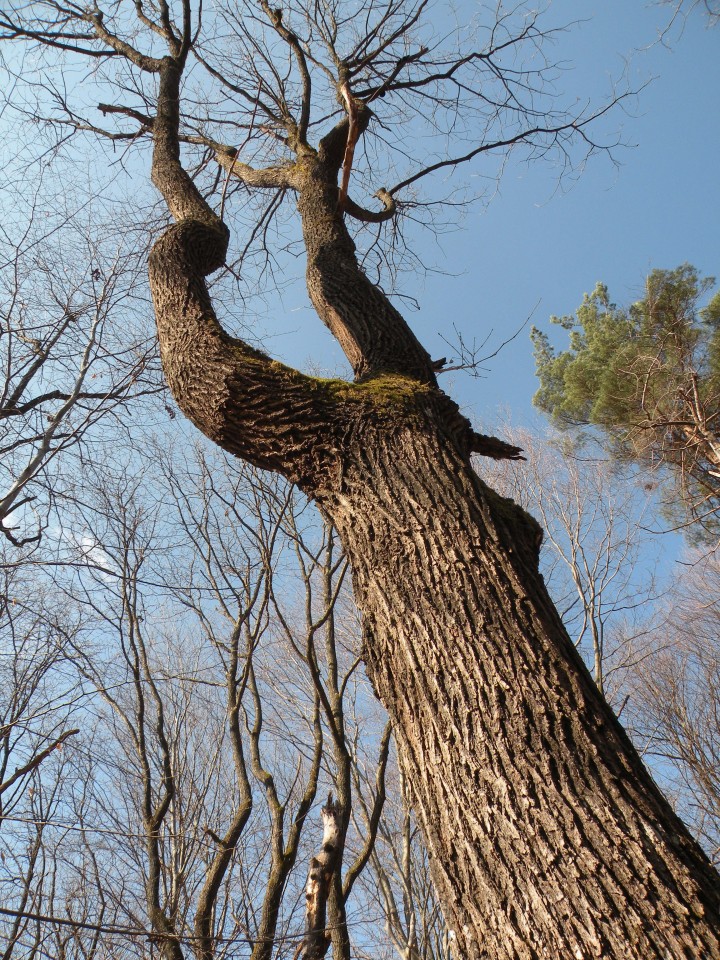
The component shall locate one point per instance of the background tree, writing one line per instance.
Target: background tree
(38, 708)
(400, 883)
(649, 377)
(674, 699)
(595, 531)
(74, 351)
(218, 699)
(545, 832)
(683, 8)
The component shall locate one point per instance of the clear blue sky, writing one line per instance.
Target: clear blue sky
(539, 244)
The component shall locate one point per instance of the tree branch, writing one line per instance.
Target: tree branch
(252, 406)
(372, 216)
(270, 178)
(351, 105)
(301, 128)
(373, 819)
(35, 762)
(495, 448)
(121, 47)
(555, 133)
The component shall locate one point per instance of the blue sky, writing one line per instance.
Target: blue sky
(659, 208)
(539, 244)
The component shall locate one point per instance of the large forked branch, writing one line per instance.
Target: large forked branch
(258, 409)
(254, 407)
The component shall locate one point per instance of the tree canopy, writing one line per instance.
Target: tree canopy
(648, 376)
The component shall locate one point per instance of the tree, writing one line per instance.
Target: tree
(72, 353)
(674, 698)
(401, 883)
(545, 833)
(649, 378)
(217, 703)
(37, 703)
(682, 8)
(591, 556)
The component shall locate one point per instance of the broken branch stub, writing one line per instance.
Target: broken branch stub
(319, 878)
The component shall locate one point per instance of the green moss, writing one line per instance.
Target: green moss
(382, 391)
(386, 392)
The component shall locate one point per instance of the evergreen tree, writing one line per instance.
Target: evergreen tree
(648, 376)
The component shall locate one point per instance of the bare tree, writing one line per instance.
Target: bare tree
(400, 881)
(681, 9)
(173, 734)
(216, 700)
(675, 700)
(73, 350)
(545, 832)
(36, 706)
(594, 518)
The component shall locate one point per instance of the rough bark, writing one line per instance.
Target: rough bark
(547, 836)
(373, 335)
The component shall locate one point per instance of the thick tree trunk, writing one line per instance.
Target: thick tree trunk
(547, 837)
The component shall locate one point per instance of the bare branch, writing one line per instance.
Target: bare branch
(370, 216)
(35, 761)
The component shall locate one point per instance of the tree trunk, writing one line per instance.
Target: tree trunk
(546, 835)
